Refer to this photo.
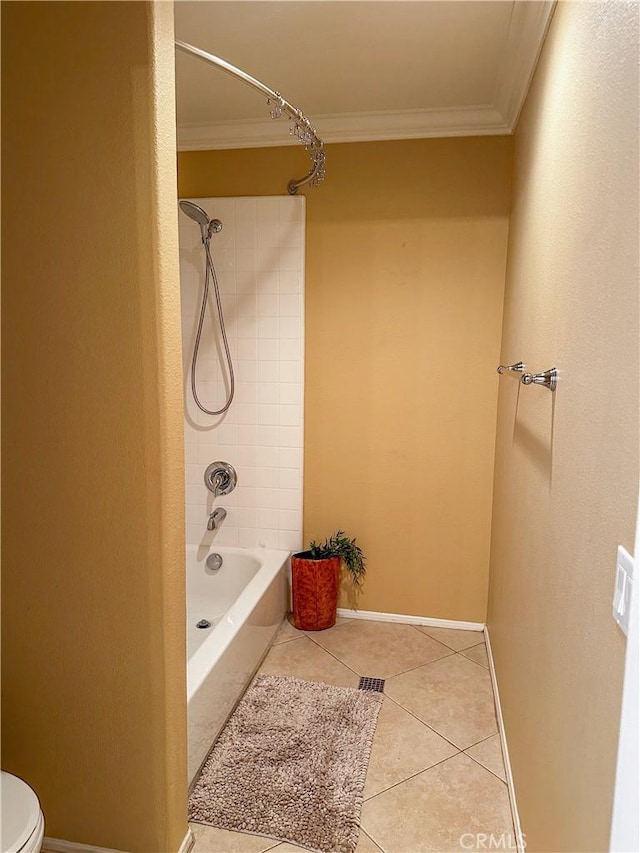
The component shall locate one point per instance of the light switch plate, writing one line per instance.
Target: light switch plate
(622, 591)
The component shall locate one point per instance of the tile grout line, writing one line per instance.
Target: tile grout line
(417, 628)
(475, 661)
(413, 668)
(482, 740)
(322, 648)
(426, 725)
(481, 665)
(431, 728)
(484, 767)
(402, 672)
(431, 766)
(451, 652)
(475, 646)
(286, 640)
(422, 630)
(413, 776)
(387, 677)
(375, 843)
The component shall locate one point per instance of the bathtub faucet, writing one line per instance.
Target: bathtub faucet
(216, 518)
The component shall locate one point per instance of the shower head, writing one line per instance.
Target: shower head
(198, 215)
(195, 212)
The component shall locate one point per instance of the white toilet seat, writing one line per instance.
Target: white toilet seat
(22, 825)
(34, 844)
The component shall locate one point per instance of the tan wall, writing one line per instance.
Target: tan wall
(567, 465)
(406, 246)
(93, 662)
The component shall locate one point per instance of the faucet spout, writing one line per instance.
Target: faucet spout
(216, 518)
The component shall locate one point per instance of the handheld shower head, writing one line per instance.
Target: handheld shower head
(198, 215)
(195, 212)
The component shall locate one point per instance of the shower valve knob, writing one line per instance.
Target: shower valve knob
(220, 478)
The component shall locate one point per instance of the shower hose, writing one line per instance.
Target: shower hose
(210, 273)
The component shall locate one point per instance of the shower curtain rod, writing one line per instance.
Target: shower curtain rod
(302, 127)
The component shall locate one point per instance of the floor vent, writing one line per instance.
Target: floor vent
(367, 683)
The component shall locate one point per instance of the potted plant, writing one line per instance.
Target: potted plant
(315, 579)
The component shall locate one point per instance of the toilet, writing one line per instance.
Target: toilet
(22, 828)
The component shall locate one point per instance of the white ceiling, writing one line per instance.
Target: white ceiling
(359, 69)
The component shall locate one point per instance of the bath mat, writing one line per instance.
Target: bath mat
(291, 764)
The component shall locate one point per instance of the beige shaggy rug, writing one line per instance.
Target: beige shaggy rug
(291, 764)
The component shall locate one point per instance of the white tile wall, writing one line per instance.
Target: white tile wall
(259, 260)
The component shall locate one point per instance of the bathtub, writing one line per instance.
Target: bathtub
(245, 601)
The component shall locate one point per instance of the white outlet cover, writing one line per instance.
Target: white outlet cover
(622, 591)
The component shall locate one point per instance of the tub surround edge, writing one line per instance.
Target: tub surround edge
(200, 663)
(220, 671)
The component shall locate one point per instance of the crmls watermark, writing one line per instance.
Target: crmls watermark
(490, 841)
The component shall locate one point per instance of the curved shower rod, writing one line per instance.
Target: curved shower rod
(302, 127)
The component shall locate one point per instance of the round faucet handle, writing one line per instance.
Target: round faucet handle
(220, 478)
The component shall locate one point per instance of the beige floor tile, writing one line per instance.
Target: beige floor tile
(381, 649)
(365, 845)
(210, 839)
(489, 753)
(478, 654)
(289, 632)
(441, 809)
(402, 747)
(452, 695)
(453, 638)
(302, 658)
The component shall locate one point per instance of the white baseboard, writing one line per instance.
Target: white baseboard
(188, 841)
(505, 749)
(374, 616)
(58, 845)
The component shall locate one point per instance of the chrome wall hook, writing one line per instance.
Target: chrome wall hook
(518, 367)
(549, 379)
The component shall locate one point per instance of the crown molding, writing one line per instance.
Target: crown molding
(345, 127)
(527, 31)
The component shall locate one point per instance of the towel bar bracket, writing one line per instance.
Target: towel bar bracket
(548, 379)
(516, 368)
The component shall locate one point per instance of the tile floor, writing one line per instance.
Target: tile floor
(436, 776)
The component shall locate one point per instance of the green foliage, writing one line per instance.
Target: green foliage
(341, 546)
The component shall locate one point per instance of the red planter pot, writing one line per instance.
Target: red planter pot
(315, 591)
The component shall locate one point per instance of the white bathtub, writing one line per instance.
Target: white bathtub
(245, 600)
